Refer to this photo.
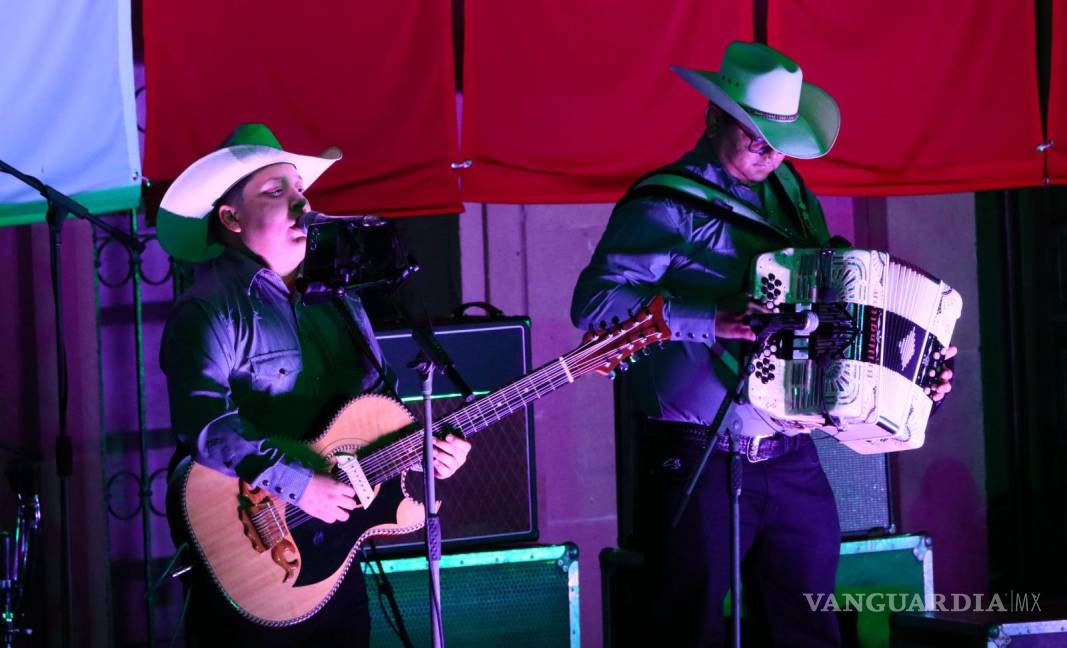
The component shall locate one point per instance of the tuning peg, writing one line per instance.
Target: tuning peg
(603, 324)
(623, 367)
(611, 375)
(615, 320)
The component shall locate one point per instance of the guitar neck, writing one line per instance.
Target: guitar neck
(601, 351)
(475, 417)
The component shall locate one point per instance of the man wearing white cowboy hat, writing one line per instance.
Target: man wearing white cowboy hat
(689, 232)
(249, 368)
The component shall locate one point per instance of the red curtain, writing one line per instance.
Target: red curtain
(936, 97)
(376, 79)
(570, 102)
(1057, 101)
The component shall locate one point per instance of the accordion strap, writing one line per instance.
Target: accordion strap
(680, 180)
(790, 189)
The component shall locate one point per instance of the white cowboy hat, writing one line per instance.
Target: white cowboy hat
(182, 224)
(764, 90)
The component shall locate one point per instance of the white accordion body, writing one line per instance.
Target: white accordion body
(864, 375)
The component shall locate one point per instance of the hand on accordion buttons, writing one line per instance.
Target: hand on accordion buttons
(733, 316)
(944, 382)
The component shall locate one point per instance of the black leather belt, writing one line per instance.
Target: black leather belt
(754, 449)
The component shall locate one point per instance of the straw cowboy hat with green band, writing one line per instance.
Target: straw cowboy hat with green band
(765, 92)
(182, 225)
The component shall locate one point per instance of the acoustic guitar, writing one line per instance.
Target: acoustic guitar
(279, 566)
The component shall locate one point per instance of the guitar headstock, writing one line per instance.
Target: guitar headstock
(606, 348)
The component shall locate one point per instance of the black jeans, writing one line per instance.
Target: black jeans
(790, 543)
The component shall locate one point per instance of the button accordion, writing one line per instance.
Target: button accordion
(865, 374)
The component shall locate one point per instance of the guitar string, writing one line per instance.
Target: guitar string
(476, 412)
(399, 460)
(402, 455)
(483, 412)
(380, 463)
(551, 370)
(412, 443)
(399, 456)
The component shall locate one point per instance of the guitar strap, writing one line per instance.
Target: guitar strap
(361, 344)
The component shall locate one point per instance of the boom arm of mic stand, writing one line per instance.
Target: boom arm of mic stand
(63, 204)
(436, 354)
(716, 424)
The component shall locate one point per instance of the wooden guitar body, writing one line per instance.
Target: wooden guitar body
(278, 566)
(321, 554)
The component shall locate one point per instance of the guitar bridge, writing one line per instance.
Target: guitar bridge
(349, 465)
(265, 527)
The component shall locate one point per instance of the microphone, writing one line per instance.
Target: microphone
(800, 322)
(345, 253)
(309, 218)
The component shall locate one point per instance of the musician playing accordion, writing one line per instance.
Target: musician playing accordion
(690, 231)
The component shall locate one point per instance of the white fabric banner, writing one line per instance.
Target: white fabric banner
(68, 115)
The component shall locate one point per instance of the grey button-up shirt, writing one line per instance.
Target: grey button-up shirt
(250, 371)
(693, 256)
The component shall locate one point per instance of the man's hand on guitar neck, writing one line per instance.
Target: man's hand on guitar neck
(327, 499)
(449, 454)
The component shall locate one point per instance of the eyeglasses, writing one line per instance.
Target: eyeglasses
(756, 144)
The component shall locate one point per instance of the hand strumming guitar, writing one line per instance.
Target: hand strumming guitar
(327, 499)
(330, 500)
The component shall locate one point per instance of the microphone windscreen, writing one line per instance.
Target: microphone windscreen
(309, 218)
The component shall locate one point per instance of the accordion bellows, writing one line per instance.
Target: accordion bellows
(865, 374)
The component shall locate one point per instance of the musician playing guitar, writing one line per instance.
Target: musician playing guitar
(252, 372)
(689, 232)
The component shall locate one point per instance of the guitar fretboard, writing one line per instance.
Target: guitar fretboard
(406, 453)
(599, 352)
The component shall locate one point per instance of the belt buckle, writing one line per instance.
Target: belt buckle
(752, 454)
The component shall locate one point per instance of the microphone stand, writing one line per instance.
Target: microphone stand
(358, 253)
(433, 357)
(735, 473)
(60, 206)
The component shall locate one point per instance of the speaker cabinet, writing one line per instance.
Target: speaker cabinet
(873, 577)
(514, 598)
(861, 487)
(1022, 624)
(491, 499)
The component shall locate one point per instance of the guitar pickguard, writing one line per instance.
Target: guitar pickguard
(331, 543)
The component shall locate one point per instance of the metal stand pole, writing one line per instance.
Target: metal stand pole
(59, 206)
(736, 471)
(433, 523)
